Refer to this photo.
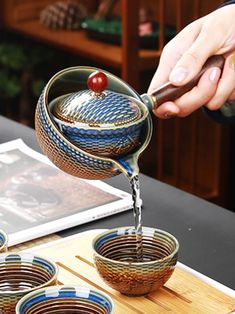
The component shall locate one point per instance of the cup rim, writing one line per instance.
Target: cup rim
(5, 243)
(67, 287)
(30, 255)
(136, 263)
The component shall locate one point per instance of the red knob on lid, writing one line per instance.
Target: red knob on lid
(97, 82)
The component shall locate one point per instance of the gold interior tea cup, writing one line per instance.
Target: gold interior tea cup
(21, 273)
(115, 258)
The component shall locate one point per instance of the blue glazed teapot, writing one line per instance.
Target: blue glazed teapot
(99, 131)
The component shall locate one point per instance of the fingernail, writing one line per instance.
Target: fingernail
(169, 115)
(214, 75)
(178, 75)
(232, 61)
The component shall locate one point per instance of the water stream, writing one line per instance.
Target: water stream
(135, 187)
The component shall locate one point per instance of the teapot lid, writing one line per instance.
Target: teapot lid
(97, 107)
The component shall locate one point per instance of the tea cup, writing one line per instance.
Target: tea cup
(115, 258)
(21, 273)
(65, 299)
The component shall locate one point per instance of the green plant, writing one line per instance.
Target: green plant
(17, 58)
(12, 56)
(9, 85)
(24, 69)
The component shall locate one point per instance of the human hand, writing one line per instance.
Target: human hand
(183, 57)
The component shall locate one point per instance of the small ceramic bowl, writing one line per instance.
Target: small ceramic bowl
(3, 241)
(21, 273)
(65, 299)
(116, 262)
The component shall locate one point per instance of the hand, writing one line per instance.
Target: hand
(183, 57)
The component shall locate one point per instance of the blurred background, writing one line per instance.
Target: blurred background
(41, 37)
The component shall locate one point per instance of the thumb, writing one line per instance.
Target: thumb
(193, 59)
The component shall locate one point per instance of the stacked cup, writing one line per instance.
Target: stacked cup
(28, 285)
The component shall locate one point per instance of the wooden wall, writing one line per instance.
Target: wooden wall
(189, 7)
(30, 9)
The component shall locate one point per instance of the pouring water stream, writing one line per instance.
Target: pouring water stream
(137, 209)
(131, 171)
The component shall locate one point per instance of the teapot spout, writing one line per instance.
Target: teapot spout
(129, 166)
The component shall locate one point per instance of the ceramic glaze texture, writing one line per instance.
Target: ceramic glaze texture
(64, 154)
(3, 241)
(21, 273)
(71, 158)
(107, 109)
(115, 259)
(65, 299)
(105, 124)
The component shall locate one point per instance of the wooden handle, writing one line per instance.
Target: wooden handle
(169, 92)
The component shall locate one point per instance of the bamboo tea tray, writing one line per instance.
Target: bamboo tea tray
(184, 293)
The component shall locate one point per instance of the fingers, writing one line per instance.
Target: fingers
(191, 62)
(167, 61)
(226, 86)
(194, 99)
(183, 57)
(212, 91)
(164, 68)
(216, 36)
(172, 52)
(167, 110)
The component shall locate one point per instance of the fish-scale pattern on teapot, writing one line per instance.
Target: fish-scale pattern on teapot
(102, 110)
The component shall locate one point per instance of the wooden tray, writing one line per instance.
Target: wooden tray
(183, 293)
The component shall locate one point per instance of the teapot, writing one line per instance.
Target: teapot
(99, 131)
